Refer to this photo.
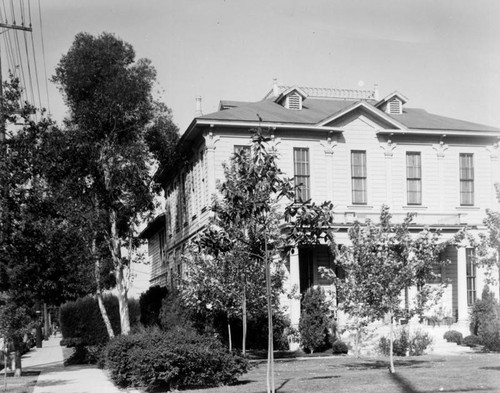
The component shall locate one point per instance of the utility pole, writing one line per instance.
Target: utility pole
(6, 26)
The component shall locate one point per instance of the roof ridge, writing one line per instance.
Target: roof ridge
(333, 92)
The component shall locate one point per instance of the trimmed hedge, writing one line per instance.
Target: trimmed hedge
(314, 321)
(157, 359)
(339, 347)
(453, 336)
(82, 324)
(150, 303)
(471, 341)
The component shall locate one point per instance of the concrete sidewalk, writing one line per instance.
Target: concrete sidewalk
(55, 378)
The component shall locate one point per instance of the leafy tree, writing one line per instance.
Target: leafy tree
(244, 221)
(39, 257)
(117, 129)
(314, 320)
(489, 245)
(382, 262)
(485, 320)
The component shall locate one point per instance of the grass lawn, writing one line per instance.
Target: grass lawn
(23, 384)
(476, 372)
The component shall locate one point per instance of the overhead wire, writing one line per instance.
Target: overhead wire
(23, 62)
(28, 62)
(34, 59)
(43, 56)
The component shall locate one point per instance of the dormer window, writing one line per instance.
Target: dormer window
(294, 101)
(394, 106)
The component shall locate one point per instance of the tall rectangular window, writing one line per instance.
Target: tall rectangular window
(466, 179)
(162, 239)
(301, 174)
(470, 276)
(413, 178)
(358, 177)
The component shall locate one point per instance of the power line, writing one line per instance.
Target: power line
(43, 56)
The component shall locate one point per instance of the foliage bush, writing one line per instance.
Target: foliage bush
(471, 341)
(179, 357)
(150, 303)
(174, 314)
(258, 329)
(419, 342)
(485, 320)
(453, 336)
(81, 321)
(404, 343)
(339, 347)
(314, 320)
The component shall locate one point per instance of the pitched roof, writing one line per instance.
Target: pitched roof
(421, 119)
(315, 110)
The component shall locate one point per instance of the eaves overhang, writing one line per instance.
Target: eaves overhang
(153, 226)
(271, 125)
(423, 131)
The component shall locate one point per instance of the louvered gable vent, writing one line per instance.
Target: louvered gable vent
(394, 106)
(294, 101)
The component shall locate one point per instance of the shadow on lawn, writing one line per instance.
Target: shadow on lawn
(407, 387)
(381, 364)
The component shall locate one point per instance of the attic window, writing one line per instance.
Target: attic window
(294, 101)
(394, 107)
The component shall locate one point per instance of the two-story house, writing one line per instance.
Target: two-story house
(351, 148)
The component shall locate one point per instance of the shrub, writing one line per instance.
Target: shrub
(339, 347)
(150, 303)
(172, 312)
(404, 343)
(453, 336)
(175, 358)
(314, 320)
(258, 330)
(419, 341)
(471, 341)
(82, 323)
(485, 320)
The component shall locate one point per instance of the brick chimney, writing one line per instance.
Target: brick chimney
(198, 112)
(276, 90)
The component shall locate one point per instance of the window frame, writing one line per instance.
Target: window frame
(359, 178)
(302, 181)
(414, 177)
(471, 276)
(466, 178)
(162, 242)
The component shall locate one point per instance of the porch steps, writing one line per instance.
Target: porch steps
(443, 347)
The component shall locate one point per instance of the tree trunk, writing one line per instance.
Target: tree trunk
(391, 344)
(244, 318)
(116, 255)
(100, 302)
(121, 293)
(270, 349)
(356, 340)
(46, 324)
(17, 356)
(121, 284)
(229, 336)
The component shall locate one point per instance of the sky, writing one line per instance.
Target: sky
(443, 55)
